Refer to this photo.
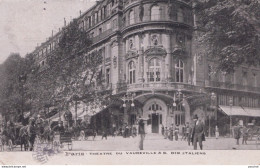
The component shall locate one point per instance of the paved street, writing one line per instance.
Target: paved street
(157, 142)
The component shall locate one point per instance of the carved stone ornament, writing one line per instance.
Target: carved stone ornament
(154, 40)
(115, 61)
(114, 43)
(141, 11)
(155, 51)
(131, 54)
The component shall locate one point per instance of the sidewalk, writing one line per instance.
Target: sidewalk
(155, 142)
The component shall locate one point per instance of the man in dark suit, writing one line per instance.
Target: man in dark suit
(141, 131)
(198, 132)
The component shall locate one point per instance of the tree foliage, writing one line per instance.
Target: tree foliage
(71, 70)
(12, 84)
(230, 31)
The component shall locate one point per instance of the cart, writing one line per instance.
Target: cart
(254, 134)
(63, 138)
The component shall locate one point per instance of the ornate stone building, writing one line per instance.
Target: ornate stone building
(152, 64)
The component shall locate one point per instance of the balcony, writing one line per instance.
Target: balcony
(164, 86)
(102, 36)
(223, 85)
(179, 21)
(130, 2)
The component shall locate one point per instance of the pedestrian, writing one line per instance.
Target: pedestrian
(162, 130)
(171, 133)
(244, 135)
(141, 132)
(166, 133)
(183, 132)
(198, 133)
(237, 133)
(216, 132)
(134, 131)
(188, 133)
(104, 134)
(176, 132)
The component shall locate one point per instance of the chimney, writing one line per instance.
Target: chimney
(80, 13)
(64, 22)
(52, 33)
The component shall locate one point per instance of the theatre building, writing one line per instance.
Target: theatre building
(154, 69)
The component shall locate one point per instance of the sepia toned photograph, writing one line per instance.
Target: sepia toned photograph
(129, 75)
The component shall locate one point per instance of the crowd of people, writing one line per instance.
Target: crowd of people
(193, 133)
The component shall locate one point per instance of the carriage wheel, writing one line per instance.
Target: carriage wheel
(70, 146)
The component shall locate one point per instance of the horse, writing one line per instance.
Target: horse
(24, 137)
(7, 137)
(48, 135)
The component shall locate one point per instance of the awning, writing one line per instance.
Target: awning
(234, 111)
(253, 112)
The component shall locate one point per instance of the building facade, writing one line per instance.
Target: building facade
(151, 62)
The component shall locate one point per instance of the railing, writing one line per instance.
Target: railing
(102, 36)
(157, 85)
(129, 2)
(226, 85)
(156, 18)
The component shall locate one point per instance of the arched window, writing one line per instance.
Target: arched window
(155, 12)
(131, 17)
(131, 68)
(155, 107)
(180, 15)
(179, 71)
(154, 74)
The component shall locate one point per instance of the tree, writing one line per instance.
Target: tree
(12, 84)
(71, 70)
(230, 31)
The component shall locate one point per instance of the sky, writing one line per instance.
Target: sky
(26, 23)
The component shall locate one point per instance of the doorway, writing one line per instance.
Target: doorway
(155, 123)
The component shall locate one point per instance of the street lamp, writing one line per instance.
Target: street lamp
(213, 98)
(127, 98)
(230, 104)
(76, 98)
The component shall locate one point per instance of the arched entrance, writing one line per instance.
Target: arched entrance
(155, 110)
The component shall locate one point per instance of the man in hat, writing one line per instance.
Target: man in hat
(141, 132)
(198, 132)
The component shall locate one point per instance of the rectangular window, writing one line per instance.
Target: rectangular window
(181, 76)
(108, 76)
(254, 80)
(177, 75)
(133, 76)
(151, 76)
(244, 78)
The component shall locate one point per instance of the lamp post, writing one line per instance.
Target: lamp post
(127, 98)
(213, 98)
(76, 98)
(230, 105)
(178, 93)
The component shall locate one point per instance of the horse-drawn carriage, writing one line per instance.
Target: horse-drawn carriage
(63, 138)
(254, 134)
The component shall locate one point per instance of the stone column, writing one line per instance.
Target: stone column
(140, 59)
(168, 59)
